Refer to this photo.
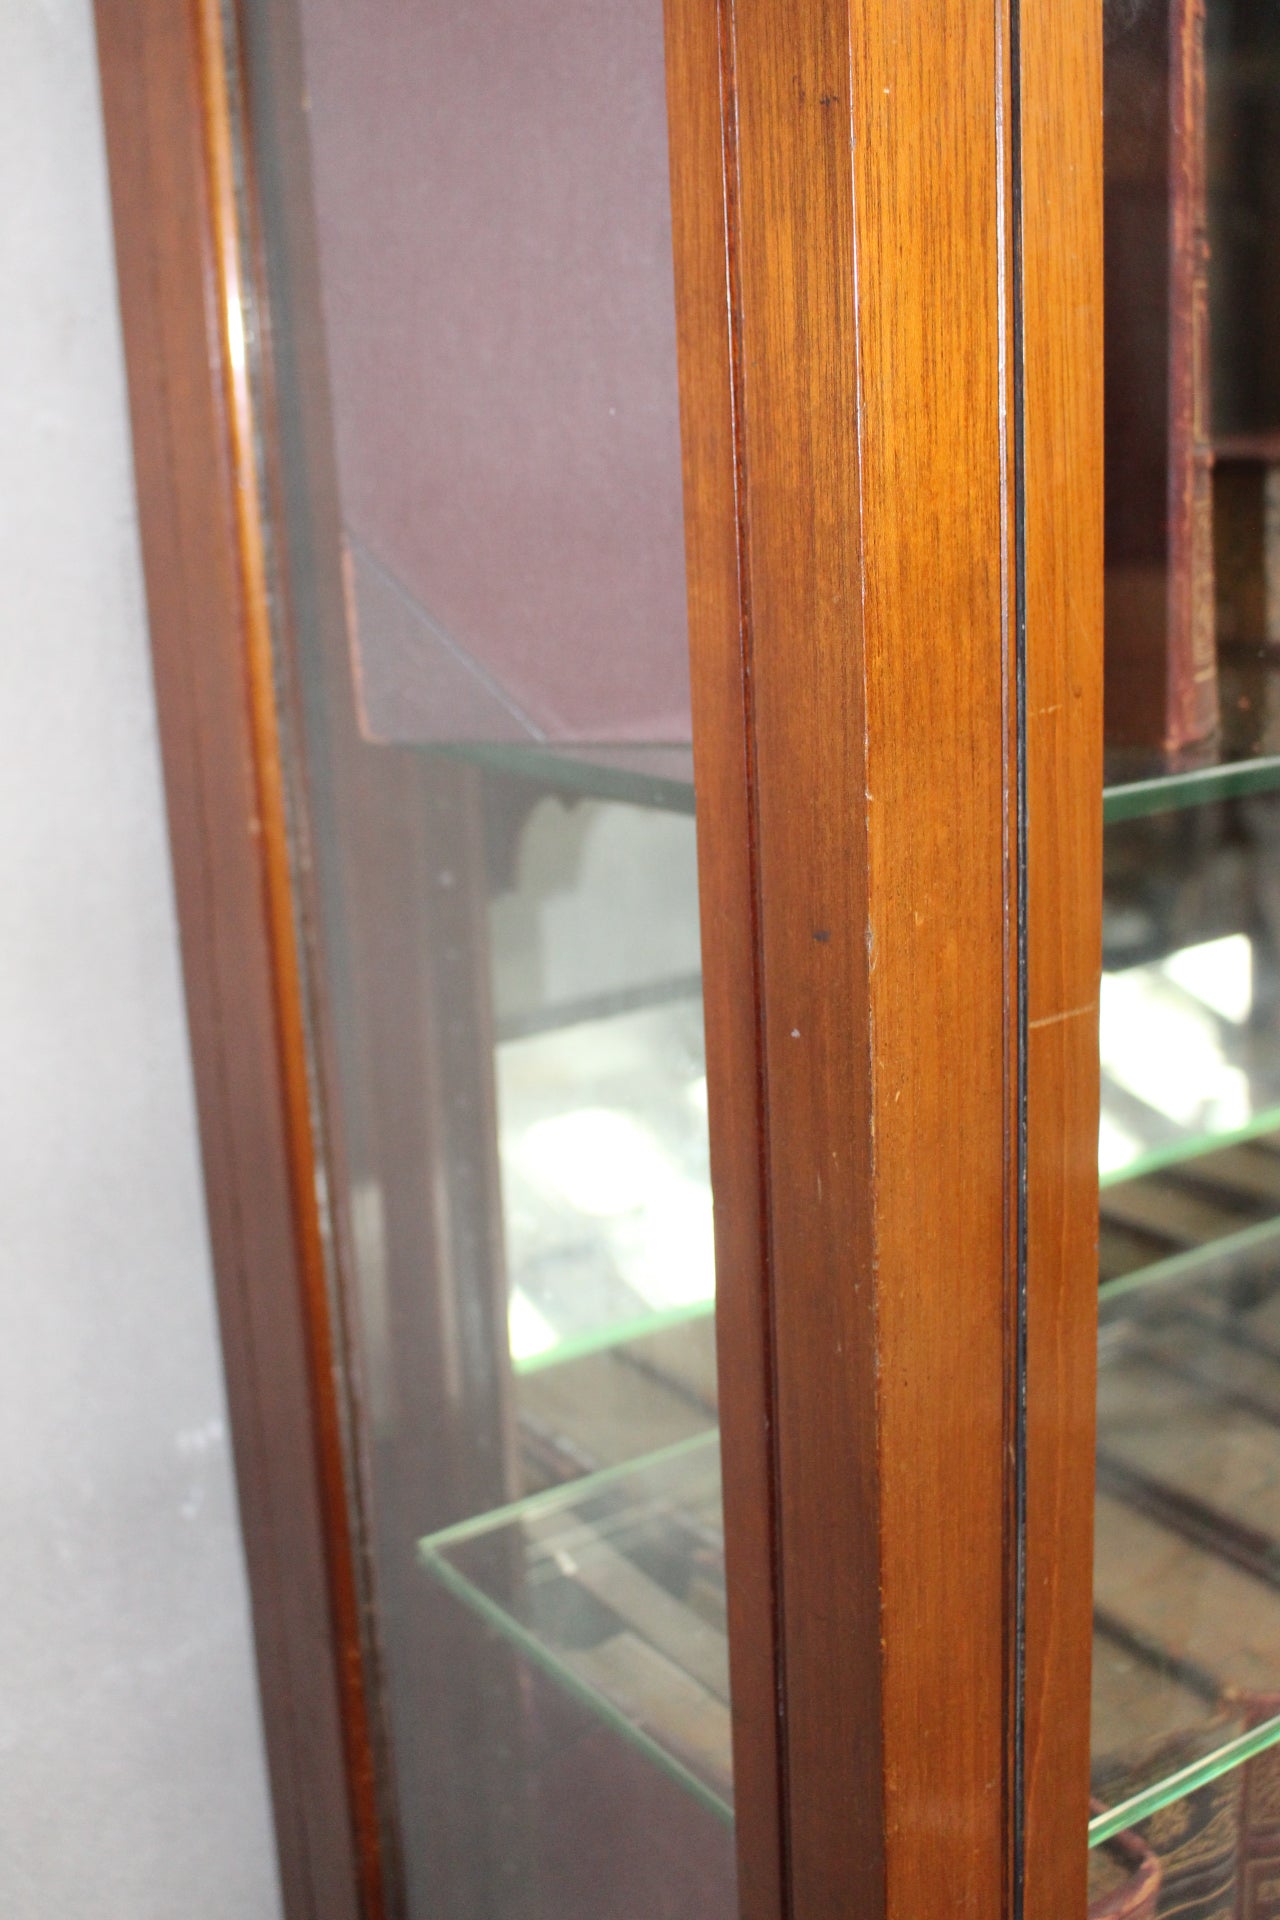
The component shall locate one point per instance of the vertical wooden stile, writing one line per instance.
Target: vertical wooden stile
(1061, 234)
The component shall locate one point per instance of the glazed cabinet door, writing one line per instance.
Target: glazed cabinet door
(622, 504)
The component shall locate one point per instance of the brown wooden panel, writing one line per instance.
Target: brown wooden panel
(202, 578)
(929, 189)
(794, 245)
(700, 85)
(873, 462)
(1061, 111)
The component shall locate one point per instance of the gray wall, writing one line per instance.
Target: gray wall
(131, 1772)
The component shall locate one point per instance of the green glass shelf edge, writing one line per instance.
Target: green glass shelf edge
(1191, 1148)
(571, 1494)
(1140, 1806)
(432, 1549)
(1181, 1266)
(578, 770)
(601, 1339)
(431, 1552)
(1169, 792)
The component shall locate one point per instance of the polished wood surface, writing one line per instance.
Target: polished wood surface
(872, 469)
(224, 133)
(797, 395)
(701, 118)
(1061, 131)
(929, 191)
(201, 581)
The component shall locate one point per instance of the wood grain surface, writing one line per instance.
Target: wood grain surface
(931, 188)
(703, 138)
(867, 184)
(1061, 114)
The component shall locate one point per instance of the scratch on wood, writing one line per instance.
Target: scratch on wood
(1055, 1019)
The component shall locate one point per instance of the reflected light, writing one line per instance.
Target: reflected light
(529, 1331)
(1218, 973)
(1117, 1146)
(1165, 1030)
(601, 1161)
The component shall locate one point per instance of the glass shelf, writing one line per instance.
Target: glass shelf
(1212, 1217)
(614, 1586)
(1137, 785)
(1187, 1553)
(642, 776)
(1135, 795)
(662, 776)
(1242, 759)
(1213, 1765)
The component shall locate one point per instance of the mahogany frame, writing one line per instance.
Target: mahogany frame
(888, 255)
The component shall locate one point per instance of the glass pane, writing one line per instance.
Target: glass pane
(468, 241)
(1186, 1684)
(1192, 204)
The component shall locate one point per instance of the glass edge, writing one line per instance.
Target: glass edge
(1179, 1265)
(571, 1494)
(1191, 1148)
(1171, 792)
(1140, 1806)
(581, 1346)
(590, 779)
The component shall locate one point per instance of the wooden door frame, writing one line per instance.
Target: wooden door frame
(888, 255)
(179, 269)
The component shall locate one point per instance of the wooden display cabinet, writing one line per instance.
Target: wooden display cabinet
(622, 496)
